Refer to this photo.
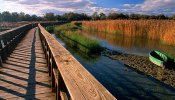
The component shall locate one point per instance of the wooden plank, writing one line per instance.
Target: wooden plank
(24, 75)
(79, 82)
(20, 57)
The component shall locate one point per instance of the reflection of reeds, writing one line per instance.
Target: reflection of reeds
(118, 40)
(152, 29)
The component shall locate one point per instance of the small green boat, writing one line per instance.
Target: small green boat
(158, 58)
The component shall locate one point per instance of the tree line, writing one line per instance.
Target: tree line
(113, 16)
(15, 17)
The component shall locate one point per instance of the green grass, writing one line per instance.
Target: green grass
(66, 27)
(72, 34)
(49, 28)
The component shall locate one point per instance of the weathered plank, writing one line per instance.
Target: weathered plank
(24, 75)
(79, 82)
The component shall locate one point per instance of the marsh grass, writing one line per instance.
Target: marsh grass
(66, 27)
(162, 30)
(72, 34)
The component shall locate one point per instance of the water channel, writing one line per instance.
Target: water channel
(122, 81)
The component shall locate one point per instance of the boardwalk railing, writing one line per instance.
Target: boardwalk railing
(10, 38)
(70, 80)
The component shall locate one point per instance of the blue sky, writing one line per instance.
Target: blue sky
(116, 3)
(40, 7)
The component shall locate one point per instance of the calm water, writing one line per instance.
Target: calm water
(122, 81)
(138, 46)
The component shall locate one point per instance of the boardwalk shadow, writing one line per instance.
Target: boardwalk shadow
(32, 72)
(20, 75)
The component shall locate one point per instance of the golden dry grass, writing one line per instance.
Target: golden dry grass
(162, 30)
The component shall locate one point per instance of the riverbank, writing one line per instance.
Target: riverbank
(142, 63)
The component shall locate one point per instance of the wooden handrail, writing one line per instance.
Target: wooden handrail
(68, 75)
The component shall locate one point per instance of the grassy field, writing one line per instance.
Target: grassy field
(161, 30)
(71, 33)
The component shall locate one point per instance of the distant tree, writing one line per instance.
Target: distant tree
(15, 17)
(27, 17)
(127, 16)
(117, 16)
(84, 16)
(95, 16)
(6, 16)
(70, 16)
(144, 16)
(172, 17)
(40, 18)
(113, 16)
(49, 17)
(58, 17)
(75, 17)
(102, 16)
(35, 18)
(161, 16)
(122, 16)
(21, 16)
(152, 17)
(1, 17)
(134, 16)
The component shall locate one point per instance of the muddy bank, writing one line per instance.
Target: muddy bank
(143, 64)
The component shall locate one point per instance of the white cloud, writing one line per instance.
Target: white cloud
(42, 6)
(29, 2)
(153, 7)
(86, 6)
(157, 4)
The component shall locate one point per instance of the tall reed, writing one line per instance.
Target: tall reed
(162, 30)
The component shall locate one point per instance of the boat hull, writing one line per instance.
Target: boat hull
(158, 58)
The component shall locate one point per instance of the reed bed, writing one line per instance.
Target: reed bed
(162, 30)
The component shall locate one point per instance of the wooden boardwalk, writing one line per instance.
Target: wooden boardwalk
(24, 75)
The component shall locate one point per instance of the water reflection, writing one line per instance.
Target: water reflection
(140, 46)
(86, 58)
